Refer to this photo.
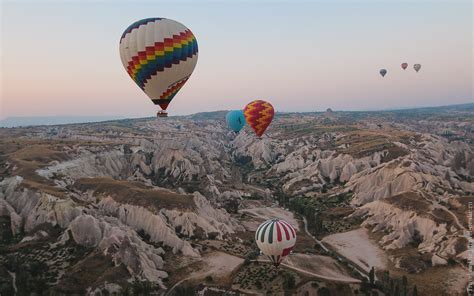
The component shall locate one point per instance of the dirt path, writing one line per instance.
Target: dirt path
(266, 213)
(314, 238)
(217, 264)
(316, 275)
(13, 275)
(353, 281)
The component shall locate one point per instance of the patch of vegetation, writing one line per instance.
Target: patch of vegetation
(184, 290)
(31, 277)
(324, 214)
(135, 193)
(244, 164)
(256, 275)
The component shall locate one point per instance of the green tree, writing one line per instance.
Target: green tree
(386, 279)
(184, 291)
(141, 287)
(405, 285)
(415, 291)
(324, 292)
(126, 291)
(289, 281)
(318, 223)
(372, 275)
(397, 290)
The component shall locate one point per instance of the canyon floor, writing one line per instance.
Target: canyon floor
(169, 206)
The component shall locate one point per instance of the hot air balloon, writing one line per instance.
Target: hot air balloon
(259, 115)
(404, 66)
(235, 120)
(159, 55)
(417, 67)
(383, 72)
(275, 238)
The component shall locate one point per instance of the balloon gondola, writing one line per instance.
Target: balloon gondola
(162, 113)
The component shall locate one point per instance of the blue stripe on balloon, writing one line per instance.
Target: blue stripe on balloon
(138, 24)
(162, 62)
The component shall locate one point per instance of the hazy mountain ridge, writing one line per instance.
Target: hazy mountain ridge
(18, 121)
(24, 121)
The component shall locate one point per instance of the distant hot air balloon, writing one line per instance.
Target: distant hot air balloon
(259, 115)
(417, 67)
(404, 66)
(275, 238)
(383, 72)
(236, 120)
(159, 55)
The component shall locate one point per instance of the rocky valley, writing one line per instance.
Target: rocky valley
(381, 202)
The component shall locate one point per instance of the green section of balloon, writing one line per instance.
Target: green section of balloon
(235, 120)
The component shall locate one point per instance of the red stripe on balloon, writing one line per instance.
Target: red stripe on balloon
(278, 231)
(291, 228)
(286, 231)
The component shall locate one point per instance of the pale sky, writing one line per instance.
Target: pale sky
(62, 58)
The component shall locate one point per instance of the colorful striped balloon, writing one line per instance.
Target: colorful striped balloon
(259, 115)
(159, 55)
(275, 238)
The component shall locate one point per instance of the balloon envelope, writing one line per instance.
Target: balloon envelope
(159, 55)
(383, 72)
(235, 120)
(275, 238)
(259, 114)
(404, 66)
(417, 67)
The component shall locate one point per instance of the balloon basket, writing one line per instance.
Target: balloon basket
(162, 113)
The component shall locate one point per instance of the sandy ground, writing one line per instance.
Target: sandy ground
(265, 213)
(218, 265)
(457, 280)
(321, 266)
(357, 247)
(440, 281)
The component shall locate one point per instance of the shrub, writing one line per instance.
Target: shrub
(324, 292)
